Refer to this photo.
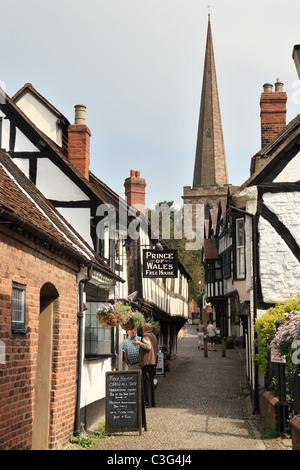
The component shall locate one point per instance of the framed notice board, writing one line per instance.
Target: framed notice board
(124, 402)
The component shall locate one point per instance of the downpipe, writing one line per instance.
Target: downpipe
(81, 286)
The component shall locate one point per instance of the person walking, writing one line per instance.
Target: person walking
(131, 350)
(211, 331)
(200, 335)
(147, 362)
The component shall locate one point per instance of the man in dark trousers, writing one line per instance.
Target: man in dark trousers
(147, 362)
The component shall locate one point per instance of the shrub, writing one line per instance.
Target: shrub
(265, 327)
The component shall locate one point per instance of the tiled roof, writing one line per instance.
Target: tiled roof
(21, 201)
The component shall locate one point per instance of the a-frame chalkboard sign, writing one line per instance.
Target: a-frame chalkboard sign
(125, 410)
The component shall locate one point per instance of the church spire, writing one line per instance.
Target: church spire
(210, 161)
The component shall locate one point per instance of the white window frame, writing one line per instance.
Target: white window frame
(240, 250)
(18, 307)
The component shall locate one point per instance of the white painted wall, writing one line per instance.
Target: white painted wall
(41, 116)
(279, 269)
(291, 173)
(55, 184)
(80, 220)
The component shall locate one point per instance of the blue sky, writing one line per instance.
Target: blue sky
(137, 65)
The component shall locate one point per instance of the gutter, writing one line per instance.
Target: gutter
(81, 286)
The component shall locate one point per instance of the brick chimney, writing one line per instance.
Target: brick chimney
(79, 142)
(273, 112)
(135, 190)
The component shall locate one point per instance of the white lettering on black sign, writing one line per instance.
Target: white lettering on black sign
(123, 400)
(160, 264)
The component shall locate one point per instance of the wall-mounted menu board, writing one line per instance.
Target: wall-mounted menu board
(123, 401)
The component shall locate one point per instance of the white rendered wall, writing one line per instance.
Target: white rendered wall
(41, 116)
(291, 172)
(55, 184)
(279, 269)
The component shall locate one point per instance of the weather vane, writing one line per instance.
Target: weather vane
(208, 8)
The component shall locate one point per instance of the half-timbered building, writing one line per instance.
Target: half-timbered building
(55, 156)
(42, 264)
(263, 217)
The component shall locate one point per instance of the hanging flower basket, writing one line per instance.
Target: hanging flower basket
(125, 313)
(107, 315)
(134, 320)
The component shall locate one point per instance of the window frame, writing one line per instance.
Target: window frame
(240, 251)
(95, 328)
(18, 325)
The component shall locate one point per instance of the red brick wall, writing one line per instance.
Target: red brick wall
(34, 265)
(295, 424)
(135, 190)
(268, 408)
(273, 115)
(79, 147)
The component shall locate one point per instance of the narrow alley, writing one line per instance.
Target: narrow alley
(200, 405)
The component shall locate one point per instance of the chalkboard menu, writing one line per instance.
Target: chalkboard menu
(123, 401)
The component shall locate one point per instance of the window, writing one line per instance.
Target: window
(18, 308)
(213, 271)
(207, 212)
(97, 338)
(227, 264)
(240, 249)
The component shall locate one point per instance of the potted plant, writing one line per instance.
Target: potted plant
(108, 316)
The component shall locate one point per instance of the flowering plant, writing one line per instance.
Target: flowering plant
(108, 315)
(287, 334)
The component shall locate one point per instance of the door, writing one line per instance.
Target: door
(41, 421)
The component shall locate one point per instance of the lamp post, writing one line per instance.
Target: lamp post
(296, 58)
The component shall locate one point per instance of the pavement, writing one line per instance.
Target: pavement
(200, 405)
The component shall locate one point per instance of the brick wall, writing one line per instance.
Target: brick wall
(268, 408)
(295, 424)
(79, 147)
(24, 260)
(273, 112)
(135, 190)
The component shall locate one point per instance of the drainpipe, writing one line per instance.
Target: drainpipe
(254, 274)
(81, 286)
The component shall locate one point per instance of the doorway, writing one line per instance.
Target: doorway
(41, 420)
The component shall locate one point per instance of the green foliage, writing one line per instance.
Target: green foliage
(265, 327)
(191, 259)
(89, 440)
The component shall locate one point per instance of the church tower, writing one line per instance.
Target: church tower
(210, 181)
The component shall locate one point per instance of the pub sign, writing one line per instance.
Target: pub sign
(160, 264)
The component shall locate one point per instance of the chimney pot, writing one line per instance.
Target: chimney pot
(268, 88)
(137, 174)
(132, 173)
(279, 86)
(80, 114)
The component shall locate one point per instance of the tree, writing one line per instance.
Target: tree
(167, 222)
